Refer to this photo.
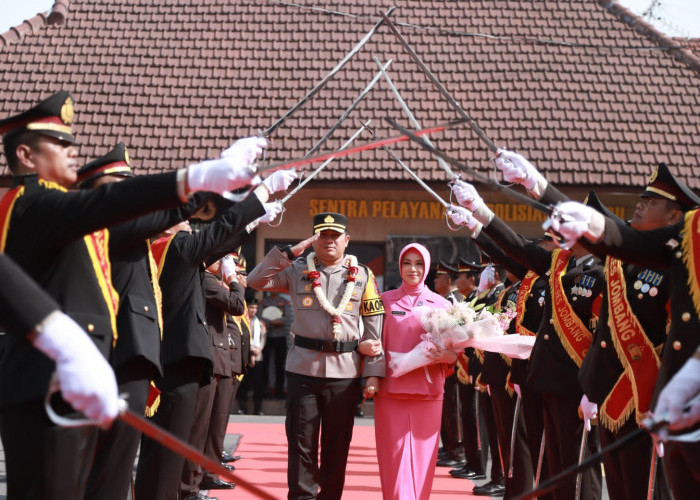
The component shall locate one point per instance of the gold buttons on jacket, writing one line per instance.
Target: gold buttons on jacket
(145, 308)
(603, 344)
(679, 255)
(685, 316)
(546, 336)
(91, 328)
(677, 345)
(221, 344)
(551, 321)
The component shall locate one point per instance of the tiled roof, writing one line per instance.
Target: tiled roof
(588, 91)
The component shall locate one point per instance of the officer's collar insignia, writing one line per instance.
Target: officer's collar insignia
(672, 243)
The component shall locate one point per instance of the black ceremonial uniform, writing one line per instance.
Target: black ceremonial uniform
(214, 398)
(23, 305)
(495, 373)
(136, 355)
(476, 367)
(552, 371)
(665, 248)
(449, 428)
(54, 236)
(186, 346)
(647, 292)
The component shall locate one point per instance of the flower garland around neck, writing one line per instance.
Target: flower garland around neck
(335, 312)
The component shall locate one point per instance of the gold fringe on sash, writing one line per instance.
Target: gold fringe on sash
(691, 254)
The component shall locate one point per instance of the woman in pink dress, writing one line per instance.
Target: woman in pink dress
(407, 409)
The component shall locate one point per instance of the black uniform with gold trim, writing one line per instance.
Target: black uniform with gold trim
(136, 355)
(495, 373)
(647, 292)
(57, 238)
(449, 427)
(23, 304)
(186, 346)
(674, 247)
(552, 371)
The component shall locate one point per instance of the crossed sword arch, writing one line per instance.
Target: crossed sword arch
(419, 136)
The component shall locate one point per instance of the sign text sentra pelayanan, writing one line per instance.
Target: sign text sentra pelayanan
(426, 210)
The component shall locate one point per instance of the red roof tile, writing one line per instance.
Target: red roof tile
(588, 91)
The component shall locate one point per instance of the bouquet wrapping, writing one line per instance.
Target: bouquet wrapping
(456, 327)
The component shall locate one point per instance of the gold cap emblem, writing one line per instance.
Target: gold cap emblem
(329, 219)
(67, 111)
(653, 176)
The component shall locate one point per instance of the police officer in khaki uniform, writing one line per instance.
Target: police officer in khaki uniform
(332, 297)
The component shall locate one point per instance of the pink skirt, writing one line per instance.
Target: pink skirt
(407, 432)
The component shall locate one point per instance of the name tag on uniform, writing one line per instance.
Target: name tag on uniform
(398, 313)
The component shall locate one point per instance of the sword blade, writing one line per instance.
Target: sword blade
(324, 164)
(410, 115)
(511, 458)
(416, 58)
(553, 482)
(581, 456)
(540, 460)
(347, 112)
(330, 75)
(522, 198)
(652, 472)
(364, 147)
(183, 449)
(410, 172)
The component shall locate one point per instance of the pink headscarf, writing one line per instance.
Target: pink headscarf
(411, 292)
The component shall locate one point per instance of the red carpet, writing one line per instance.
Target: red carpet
(264, 463)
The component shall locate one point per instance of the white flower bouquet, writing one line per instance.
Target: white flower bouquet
(456, 327)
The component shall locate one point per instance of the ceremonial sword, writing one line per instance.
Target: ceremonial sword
(540, 460)
(410, 172)
(650, 425)
(522, 198)
(416, 58)
(512, 437)
(165, 438)
(365, 147)
(347, 112)
(581, 456)
(318, 170)
(325, 79)
(411, 117)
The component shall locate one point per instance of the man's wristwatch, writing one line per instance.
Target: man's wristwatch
(288, 250)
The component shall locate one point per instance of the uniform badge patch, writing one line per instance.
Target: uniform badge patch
(307, 301)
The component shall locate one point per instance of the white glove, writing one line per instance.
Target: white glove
(589, 411)
(486, 279)
(245, 151)
(272, 210)
(228, 267)
(280, 180)
(517, 390)
(572, 220)
(467, 196)
(220, 176)
(463, 217)
(516, 168)
(86, 379)
(684, 385)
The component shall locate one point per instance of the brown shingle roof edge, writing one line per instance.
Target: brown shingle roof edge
(56, 16)
(645, 29)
